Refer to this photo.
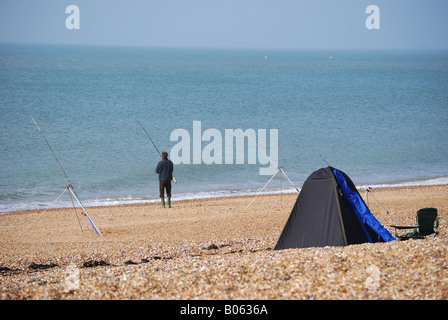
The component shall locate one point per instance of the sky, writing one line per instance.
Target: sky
(296, 24)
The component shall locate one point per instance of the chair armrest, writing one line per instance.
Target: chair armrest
(404, 227)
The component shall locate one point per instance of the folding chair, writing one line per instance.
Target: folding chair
(427, 221)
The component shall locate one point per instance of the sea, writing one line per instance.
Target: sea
(380, 116)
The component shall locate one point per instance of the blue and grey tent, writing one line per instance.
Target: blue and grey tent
(329, 211)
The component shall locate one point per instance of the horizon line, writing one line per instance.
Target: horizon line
(200, 47)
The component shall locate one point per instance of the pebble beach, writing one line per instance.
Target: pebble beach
(217, 249)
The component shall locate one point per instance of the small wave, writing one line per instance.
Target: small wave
(131, 199)
(408, 183)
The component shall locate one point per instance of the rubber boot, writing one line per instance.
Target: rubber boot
(163, 202)
(169, 202)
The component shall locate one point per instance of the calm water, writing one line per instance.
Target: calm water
(381, 117)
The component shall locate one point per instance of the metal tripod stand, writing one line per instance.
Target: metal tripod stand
(279, 169)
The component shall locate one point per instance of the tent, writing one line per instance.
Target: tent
(329, 211)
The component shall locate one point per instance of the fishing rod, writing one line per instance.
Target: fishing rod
(153, 144)
(69, 186)
(54, 156)
(324, 160)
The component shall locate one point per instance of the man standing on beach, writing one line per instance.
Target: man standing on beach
(165, 170)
